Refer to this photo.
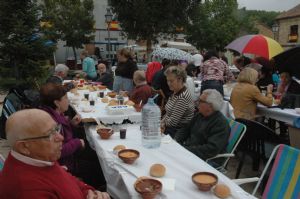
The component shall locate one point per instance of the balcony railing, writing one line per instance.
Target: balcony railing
(293, 38)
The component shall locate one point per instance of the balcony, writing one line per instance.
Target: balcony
(293, 38)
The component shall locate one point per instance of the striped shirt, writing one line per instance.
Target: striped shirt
(216, 69)
(179, 109)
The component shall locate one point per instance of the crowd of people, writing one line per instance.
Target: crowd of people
(51, 147)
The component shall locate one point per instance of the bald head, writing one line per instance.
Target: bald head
(27, 123)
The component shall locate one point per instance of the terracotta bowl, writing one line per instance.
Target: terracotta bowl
(138, 107)
(129, 155)
(112, 94)
(105, 133)
(205, 180)
(148, 187)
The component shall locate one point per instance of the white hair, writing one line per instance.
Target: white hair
(61, 68)
(214, 97)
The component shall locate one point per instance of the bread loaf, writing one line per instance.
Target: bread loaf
(157, 170)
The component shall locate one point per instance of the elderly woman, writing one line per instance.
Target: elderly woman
(180, 106)
(106, 78)
(245, 95)
(54, 100)
(124, 71)
(142, 90)
(207, 133)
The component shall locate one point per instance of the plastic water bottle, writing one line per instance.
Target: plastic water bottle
(151, 136)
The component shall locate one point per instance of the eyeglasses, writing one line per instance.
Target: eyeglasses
(51, 136)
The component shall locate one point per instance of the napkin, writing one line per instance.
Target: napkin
(168, 183)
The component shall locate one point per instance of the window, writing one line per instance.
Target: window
(294, 30)
(109, 2)
(293, 36)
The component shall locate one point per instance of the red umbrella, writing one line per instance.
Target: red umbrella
(256, 44)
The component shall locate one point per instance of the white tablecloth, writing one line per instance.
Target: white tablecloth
(180, 164)
(100, 111)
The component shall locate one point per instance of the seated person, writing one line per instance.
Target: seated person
(245, 95)
(206, 135)
(142, 90)
(180, 106)
(31, 169)
(60, 73)
(75, 151)
(105, 77)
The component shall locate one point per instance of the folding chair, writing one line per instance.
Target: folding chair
(284, 179)
(237, 131)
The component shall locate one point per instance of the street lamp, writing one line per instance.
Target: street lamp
(275, 28)
(108, 20)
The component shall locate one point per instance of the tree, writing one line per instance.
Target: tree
(69, 20)
(214, 24)
(22, 44)
(148, 19)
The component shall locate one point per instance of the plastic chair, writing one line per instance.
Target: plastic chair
(283, 181)
(253, 143)
(237, 131)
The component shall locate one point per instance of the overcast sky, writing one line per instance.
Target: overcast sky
(269, 5)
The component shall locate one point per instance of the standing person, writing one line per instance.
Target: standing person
(106, 78)
(191, 72)
(152, 68)
(160, 80)
(180, 106)
(197, 60)
(124, 71)
(88, 66)
(142, 90)
(214, 72)
(31, 169)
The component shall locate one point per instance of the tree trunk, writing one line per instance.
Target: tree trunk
(75, 56)
(149, 49)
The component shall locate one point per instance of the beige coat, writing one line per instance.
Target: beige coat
(244, 98)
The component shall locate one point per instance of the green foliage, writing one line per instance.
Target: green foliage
(22, 43)
(214, 24)
(147, 19)
(69, 20)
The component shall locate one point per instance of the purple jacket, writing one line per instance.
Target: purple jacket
(70, 144)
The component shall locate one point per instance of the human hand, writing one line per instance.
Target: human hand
(270, 88)
(82, 143)
(97, 195)
(76, 120)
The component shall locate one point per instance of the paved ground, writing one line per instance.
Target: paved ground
(231, 169)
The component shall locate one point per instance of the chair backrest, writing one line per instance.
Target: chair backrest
(237, 131)
(163, 98)
(284, 179)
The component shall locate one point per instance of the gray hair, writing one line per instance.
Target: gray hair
(61, 68)
(215, 98)
(177, 71)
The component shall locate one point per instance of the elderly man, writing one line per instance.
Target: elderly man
(142, 90)
(106, 78)
(60, 73)
(31, 170)
(207, 133)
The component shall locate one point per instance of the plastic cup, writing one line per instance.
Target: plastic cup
(122, 133)
(86, 96)
(101, 94)
(92, 102)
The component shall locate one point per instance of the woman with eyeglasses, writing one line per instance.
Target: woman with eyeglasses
(76, 155)
(180, 105)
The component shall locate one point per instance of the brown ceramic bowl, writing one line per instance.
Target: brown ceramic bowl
(129, 155)
(112, 94)
(105, 133)
(205, 180)
(148, 187)
(138, 107)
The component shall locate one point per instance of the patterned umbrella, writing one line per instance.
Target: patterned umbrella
(256, 44)
(172, 54)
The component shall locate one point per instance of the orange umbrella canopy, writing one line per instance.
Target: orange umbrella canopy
(256, 44)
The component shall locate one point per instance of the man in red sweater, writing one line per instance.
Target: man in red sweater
(31, 169)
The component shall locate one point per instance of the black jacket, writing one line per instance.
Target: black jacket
(126, 69)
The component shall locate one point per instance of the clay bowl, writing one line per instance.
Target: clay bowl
(138, 107)
(148, 188)
(205, 180)
(112, 94)
(105, 133)
(128, 155)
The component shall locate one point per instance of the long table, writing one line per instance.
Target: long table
(180, 165)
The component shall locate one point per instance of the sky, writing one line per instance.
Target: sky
(268, 5)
